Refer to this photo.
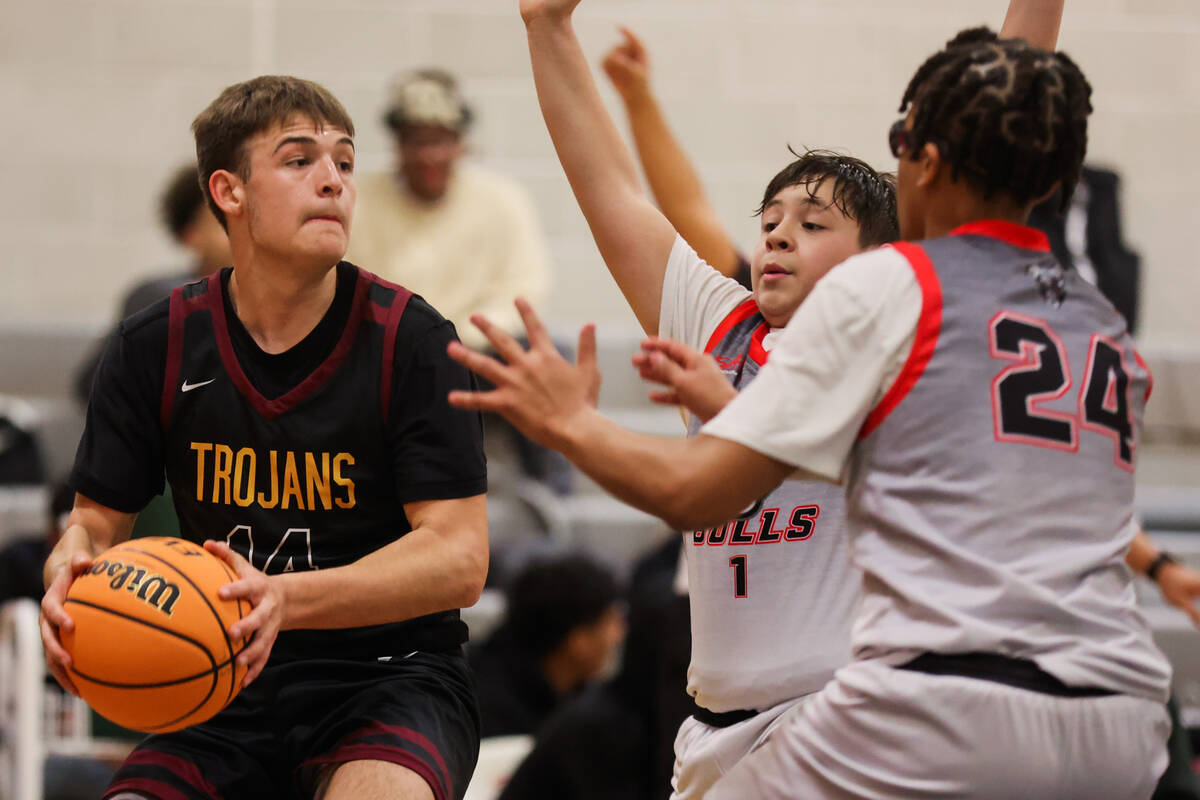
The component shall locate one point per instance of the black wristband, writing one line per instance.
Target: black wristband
(1161, 560)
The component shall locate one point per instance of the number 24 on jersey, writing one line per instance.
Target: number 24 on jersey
(1040, 373)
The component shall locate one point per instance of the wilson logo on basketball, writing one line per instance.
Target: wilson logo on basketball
(151, 588)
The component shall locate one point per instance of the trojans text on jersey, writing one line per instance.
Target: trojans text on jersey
(284, 479)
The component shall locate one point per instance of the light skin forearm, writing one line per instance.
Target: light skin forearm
(633, 237)
(1035, 21)
(91, 529)
(689, 483)
(441, 564)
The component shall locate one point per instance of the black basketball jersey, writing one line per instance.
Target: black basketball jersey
(308, 479)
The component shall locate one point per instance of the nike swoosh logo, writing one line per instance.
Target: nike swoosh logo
(187, 387)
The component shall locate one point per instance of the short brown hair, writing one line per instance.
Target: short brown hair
(249, 108)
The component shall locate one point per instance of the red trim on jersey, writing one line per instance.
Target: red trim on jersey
(929, 327)
(1149, 375)
(758, 354)
(390, 319)
(184, 770)
(271, 409)
(740, 314)
(174, 355)
(1017, 235)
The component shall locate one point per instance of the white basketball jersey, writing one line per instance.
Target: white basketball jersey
(991, 491)
(772, 592)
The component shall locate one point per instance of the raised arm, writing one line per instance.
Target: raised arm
(673, 180)
(634, 238)
(1035, 21)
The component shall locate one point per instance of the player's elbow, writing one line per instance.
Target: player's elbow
(695, 518)
(470, 574)
(689, 506)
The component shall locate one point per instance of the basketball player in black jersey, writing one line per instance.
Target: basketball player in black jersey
(297, 406)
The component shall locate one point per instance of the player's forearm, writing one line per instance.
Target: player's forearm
(676, 186)
(424, 572)
(74, 540)
(679, 480)
(1142, 553)
(1035, 21)
(632, 235)
(91, 529)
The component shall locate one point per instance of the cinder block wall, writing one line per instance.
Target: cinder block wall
(98, 96)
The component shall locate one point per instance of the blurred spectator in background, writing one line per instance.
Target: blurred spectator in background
(672, 178)
(617, 739)
(463, 237)
(1088, 237)
(191, 224)
(21, 461)
(562, 626)
(22, 558)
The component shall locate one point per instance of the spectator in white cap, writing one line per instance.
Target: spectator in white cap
(461, 236)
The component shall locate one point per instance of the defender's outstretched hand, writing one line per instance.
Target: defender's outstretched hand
(694, 379)
(628, 67)
(537, 390)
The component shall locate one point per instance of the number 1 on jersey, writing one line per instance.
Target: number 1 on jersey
(741, 581)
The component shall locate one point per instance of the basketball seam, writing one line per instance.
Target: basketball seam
(220, 623)
(213, 670)
(216, 666)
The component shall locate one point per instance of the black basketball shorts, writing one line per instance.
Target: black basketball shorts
(298, 718)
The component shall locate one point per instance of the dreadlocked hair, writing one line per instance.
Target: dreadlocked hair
(862, 194)
(1010, 117)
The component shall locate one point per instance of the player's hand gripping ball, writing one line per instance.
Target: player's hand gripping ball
(150, 649)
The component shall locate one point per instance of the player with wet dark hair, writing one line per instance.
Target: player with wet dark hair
(856, 190)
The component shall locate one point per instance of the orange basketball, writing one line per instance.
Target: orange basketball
(150, 649)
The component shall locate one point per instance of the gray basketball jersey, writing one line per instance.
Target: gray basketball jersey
(772, 592)
(991, 490)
